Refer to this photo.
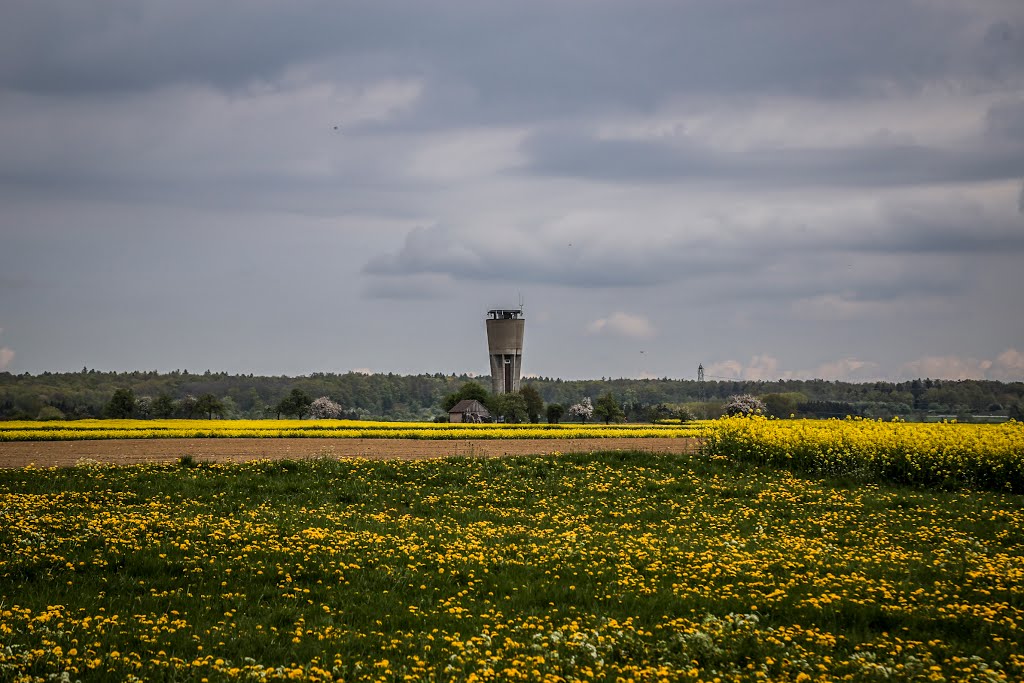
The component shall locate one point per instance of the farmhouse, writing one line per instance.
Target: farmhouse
(469, 410)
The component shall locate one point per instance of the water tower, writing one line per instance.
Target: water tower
(505, 345)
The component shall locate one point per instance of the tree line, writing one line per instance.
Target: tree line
(89, 393)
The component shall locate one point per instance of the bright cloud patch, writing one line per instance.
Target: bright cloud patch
(767, 368)
(624, 325)
(849, 369)
(762, 367)
(1007, 366)
(6, 355)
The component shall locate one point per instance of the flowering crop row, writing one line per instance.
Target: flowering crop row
(598, 567)
(943, 454)
(156, 429)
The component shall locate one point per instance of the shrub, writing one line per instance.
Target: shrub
(324, 408)
(744, 404)
(583, 410)
(50, 413)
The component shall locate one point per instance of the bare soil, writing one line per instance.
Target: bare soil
(127, 451)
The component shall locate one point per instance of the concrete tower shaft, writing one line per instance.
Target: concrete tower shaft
(505, 346)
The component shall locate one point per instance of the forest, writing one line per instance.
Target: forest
(86, 394)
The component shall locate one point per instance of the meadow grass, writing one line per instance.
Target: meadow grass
(603, 566)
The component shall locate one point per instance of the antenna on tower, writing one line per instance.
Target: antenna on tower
(520, 292)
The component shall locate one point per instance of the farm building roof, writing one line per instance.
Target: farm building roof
(468, 405)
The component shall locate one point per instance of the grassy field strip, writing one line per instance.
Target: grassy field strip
(597, 567)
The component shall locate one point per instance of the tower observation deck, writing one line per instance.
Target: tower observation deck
(505, 346)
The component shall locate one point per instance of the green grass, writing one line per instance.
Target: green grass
(588, 566)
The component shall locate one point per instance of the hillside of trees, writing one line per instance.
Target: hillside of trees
(89, 394)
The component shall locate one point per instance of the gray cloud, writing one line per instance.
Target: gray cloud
(946, 223)
(1004, 122)
(948, 226)
(408, 287)
(539, 55)
(769, 168)
(566, 152)
(14, 283)
(125, 45)
(898, 248)
(468, 255)
(869, 164)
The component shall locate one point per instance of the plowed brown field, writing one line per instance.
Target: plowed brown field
(118, 451)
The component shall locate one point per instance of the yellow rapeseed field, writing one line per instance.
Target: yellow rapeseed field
(937, 454)
(156, 429)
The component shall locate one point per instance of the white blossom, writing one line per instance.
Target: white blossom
(744, 404)
(325, 409)
(583, 410)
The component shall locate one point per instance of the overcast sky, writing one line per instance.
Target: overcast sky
(773, 189)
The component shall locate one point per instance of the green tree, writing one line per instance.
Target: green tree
(121, 405)
(282, 407)
(511, 407)
(294, 404)
(1016, 411)
(163, 406)
(474, 391)
(608, 409)
(209, 405)
(661, 411)
(686, 414)
(783, 405)
(229, 408)
(534, 403)
(187, 406)
(555, 412)
(84, 394)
